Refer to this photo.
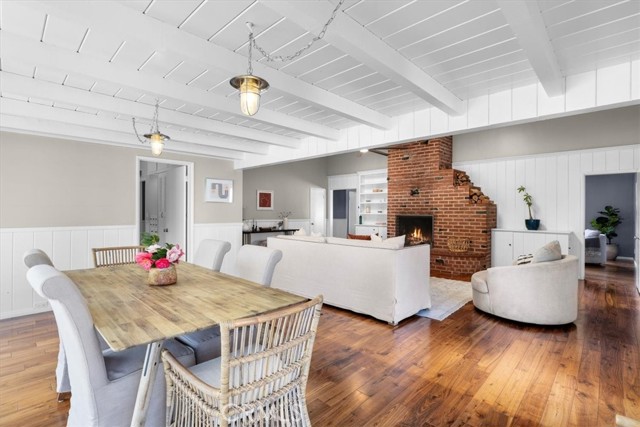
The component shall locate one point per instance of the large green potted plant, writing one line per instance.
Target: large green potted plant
(531, 223)
(606, 224)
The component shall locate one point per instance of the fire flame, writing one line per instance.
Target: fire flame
(417, 234)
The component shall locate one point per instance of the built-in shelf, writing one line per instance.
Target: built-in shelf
(372, 202)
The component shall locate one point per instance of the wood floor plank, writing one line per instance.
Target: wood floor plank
(471, 369)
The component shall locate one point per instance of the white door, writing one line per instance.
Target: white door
(317, 210)
(175, 206)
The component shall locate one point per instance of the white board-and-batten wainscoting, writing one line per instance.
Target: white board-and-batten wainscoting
(556, 182)
(70, 249)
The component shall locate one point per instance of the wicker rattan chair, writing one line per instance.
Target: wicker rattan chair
(260, 378)
(117, 255)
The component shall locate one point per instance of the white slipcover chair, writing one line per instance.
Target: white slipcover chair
(544, 293)
(32, 258)
(255, 263)
(104, 383)
(210, 253)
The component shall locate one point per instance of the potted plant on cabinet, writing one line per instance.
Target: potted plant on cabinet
(531, 224)
(606, 224)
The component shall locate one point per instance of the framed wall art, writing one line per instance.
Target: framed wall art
(218, 190)
(264, 200)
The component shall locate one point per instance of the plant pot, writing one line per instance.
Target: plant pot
(162, 276)
(532, 224)
(612, 251)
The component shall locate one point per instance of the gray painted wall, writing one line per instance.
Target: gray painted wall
(290, 183)
(50, 182)
(607, 128)
(354, 162)
(617, 191)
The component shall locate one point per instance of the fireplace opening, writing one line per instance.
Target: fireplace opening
(417, 229)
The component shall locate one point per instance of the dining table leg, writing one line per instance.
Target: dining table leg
(147, 380)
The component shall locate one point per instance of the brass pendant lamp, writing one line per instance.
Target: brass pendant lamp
(155, 138)
(249, 86)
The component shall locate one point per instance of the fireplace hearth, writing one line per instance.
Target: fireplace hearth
(418, 229)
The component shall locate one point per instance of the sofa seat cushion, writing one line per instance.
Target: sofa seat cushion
(479, 282)
(121, 363)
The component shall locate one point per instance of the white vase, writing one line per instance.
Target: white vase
(285, 223)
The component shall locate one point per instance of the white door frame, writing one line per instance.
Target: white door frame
(584, 207)
(189, 193)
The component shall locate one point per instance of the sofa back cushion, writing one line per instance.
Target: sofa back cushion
(316, 239)
(549, 252)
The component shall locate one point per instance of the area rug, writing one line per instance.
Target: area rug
(447, 296)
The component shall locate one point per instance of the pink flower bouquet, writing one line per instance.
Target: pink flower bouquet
(156, 256)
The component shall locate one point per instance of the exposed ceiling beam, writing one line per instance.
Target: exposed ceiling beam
(132, 25)
(16, 47)
(355, 40)
(525, 20)
(16, 84)
(180, 141)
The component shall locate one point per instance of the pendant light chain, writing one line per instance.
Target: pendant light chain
(279, 58)
(252, 42)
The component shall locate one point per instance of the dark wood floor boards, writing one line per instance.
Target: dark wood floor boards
(471, 369)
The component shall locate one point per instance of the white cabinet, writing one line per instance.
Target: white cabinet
(372, 229)
(372, 202)
(507, 245)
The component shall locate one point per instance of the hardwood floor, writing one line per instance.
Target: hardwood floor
(471, 369)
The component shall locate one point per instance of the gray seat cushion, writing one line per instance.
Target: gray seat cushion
(205, 343)
(121, 363)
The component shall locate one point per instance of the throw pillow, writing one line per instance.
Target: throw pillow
(376, 238)
(300, 232)
(358, 236)
(589, 234)
(523, 259)
(549, 252)
(318, 234)
(395, 242)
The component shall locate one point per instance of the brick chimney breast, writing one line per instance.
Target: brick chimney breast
(422, 182)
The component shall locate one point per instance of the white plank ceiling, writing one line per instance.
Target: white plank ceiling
(83, 69)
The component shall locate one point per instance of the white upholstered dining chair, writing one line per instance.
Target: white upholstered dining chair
(255, 263)
(210, 253)
(260, 378)
(32, 258)
(104, 384)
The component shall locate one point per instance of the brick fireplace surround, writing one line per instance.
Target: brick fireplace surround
(422, 182)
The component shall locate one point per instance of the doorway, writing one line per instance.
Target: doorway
(164, 201)
(618, 190)
(344, 212)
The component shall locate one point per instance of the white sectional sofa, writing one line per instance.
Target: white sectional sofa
(378, 279)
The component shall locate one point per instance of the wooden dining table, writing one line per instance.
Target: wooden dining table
(128, 312)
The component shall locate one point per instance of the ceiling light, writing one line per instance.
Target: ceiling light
(364, 150)
(249, 86)
(155, 138)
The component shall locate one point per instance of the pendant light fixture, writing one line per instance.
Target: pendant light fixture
(249, 86)
(155, 138)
